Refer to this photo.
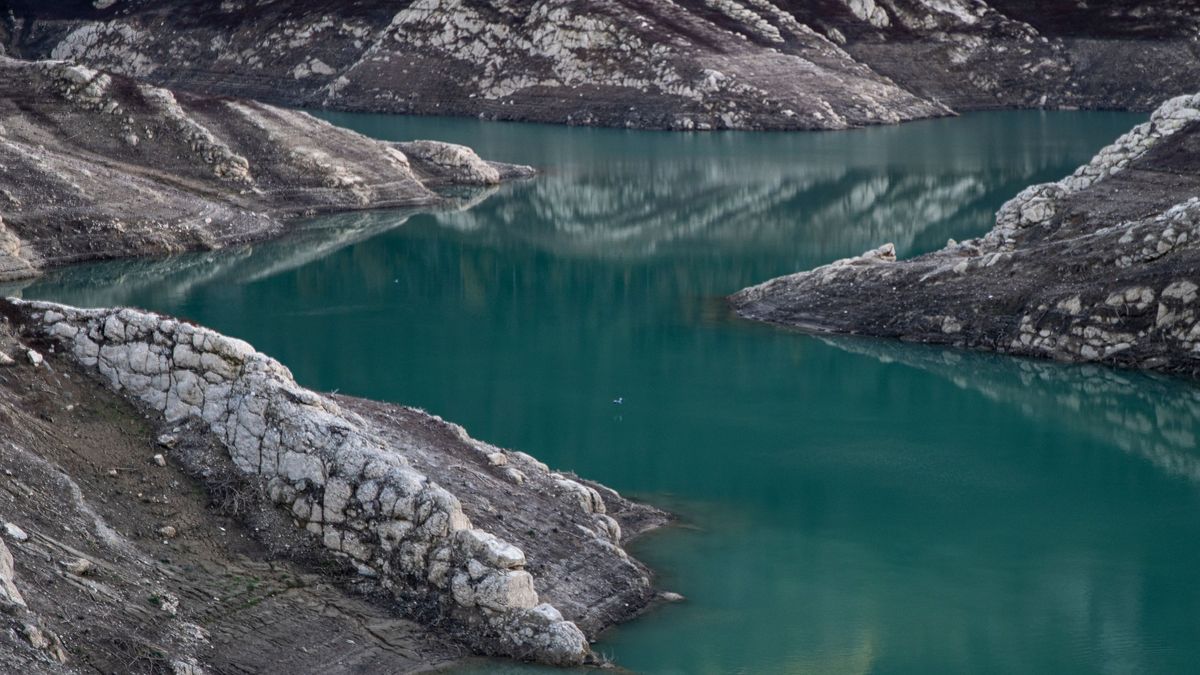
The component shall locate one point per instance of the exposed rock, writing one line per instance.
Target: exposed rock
(250, 599)
(94, 165)
(14, 532)
(79, 566)
(35, 359)
(347, 472)
(9, 594)
(449, 163)
(1100, 266)
(700, 64)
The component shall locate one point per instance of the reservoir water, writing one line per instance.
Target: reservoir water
(845, 506)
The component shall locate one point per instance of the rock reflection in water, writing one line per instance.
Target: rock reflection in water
(1149, 416)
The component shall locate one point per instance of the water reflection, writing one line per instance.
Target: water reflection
(1153, 417)
(682, 208)
(854, 507)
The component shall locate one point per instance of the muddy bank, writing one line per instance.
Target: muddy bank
(1100, 266)
(229, 518)
(97, 166)
(698, 64)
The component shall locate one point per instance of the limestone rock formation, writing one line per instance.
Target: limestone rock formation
(94, 165)
(439, 163)
(364, 480)
(1101, 266)
(698, 64)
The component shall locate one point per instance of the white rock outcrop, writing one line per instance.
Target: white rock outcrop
(1039, 203)
(358, 495)
(451, 162)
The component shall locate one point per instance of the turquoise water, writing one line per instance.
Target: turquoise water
(846, 506)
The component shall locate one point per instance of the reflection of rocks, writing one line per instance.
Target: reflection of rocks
(1100, 266)
(1153, 417)
(115, 283)
(682, 206)
(694, 65)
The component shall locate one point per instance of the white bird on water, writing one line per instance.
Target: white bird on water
(619, 400)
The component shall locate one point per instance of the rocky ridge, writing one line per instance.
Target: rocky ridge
(358, 478)
(1100, 266)
(94, 165)
(133, 557)
(697, 64)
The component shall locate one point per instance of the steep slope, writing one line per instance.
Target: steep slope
(1101, 266)
(98, 166)
(686, 64)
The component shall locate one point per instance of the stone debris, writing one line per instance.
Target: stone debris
(9, 595)
(14, 532)
(160, 460)
(34, 358)
(79, 566)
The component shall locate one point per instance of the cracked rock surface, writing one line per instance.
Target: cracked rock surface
(692, 64)
(517, 560)
(1101, 266)
(94, 166)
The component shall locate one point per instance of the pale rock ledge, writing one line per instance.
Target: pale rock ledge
(329, 467)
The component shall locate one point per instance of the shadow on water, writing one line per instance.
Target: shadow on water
(852, 506)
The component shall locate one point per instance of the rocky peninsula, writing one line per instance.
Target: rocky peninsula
(170, 491)
(96, 166)
(700, 64)
(1100, 266)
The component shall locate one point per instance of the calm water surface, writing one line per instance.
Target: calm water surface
(846, 506)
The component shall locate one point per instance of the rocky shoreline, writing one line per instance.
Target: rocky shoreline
(695, 65)
(487, 546)
(96, 166)
(390, 515)
(1100, 266)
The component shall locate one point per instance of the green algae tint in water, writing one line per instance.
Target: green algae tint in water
(846, 505)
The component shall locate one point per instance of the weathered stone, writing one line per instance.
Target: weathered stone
(9, 594)
(14, 532)
(1095, 267)
(331, 468)
(80, 566)
(209, 172)
(689, 66)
